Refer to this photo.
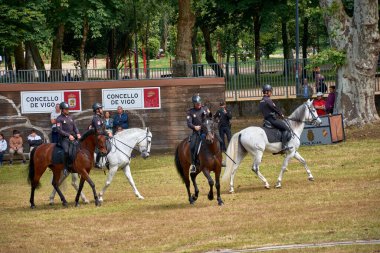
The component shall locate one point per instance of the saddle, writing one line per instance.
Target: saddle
(274, 134)
(58, 153)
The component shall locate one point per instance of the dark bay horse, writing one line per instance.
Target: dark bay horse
(42, 156)
(210, 157)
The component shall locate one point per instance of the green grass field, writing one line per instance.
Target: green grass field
(342, 204)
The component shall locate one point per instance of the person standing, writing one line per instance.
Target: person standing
(16, 146)
(3, 147)
(67, 131)
(330, 101)
(319, 104)
(34, 140)
(53, 119)
(120, 119)
(224, 116)
(108, 122)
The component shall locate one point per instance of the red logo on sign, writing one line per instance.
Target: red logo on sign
(152, 98)
(72, 98)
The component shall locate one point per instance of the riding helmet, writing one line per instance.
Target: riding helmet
(267, 87)
(96, 106)
(196, 99)
(63, 105)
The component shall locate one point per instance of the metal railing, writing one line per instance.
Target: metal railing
(243, 79)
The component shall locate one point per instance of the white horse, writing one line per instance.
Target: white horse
(254, 140)
(123, 143)
(74, 179)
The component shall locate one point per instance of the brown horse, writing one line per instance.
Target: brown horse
(210, 158)
(42, 157)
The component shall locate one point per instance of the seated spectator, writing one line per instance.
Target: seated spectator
(330, 100)
(34, 140)
(3, 148)
(120, 119)
(108, 122)
(16, 146)
(319, 104)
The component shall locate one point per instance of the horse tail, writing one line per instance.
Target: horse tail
(31, 166)
(178, 164)
(232, 155)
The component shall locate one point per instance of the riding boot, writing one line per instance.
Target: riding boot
(97, 165)
(66, 163)
(284, 139)
(193, 168)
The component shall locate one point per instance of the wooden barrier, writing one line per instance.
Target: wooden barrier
(167, 124)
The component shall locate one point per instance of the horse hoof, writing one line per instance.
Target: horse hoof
(210, 197)
(101, 200)
(220, 203)
(77, 204)
(267, 186)
(86, 201)
(98, 203)
(311, 179)
(65, 204)
(232, 190)
(194, 197)
(32, 206)
(51, 203)
(278, 186)
(140, 197)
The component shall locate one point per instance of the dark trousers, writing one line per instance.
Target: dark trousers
(194, 145)
(279, 124)
(65, 144)
(1, 158)
(224, 130)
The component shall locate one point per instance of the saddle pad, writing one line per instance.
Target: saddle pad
(273, 134)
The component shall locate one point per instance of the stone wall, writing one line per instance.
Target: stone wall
(167, 124)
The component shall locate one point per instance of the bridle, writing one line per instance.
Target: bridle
(309, 122)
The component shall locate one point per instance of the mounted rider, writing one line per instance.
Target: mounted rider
(97, 123)
(195, 118)
(67, 131)
(271, 113)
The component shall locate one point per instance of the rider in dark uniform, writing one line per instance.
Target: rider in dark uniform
(195, 118)
(271, 114)
(67, 131)
(97, 123)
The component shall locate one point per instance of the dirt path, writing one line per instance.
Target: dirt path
(300, 246)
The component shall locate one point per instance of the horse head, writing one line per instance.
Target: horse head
(102, 144)
(145, 143)
(311, 114)
(209, 128)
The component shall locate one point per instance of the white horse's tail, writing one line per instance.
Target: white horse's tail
(232, 155)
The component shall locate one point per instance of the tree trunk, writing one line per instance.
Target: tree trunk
(19, 57)
(82, 60)
(208, 47)
(194, 57)
(256, 28)
(285, 40)
(164, 31)
(8, 60)
(38, 61)
(56, 51)
(186, 21)
(305, 37)
(147, 48)
(29, 63)
(359, 38)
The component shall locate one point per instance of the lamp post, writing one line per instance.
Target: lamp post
(136, 49)
(298, 93)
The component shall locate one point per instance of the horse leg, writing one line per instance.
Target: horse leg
(127, 172)
(55, 183)
(217, 185)
(302, 160)
(32, 205)
(74, 178)
(239, 158)
(196, 190)
(210, 182)
(91, 183)
(256, 168)
(81, 184)
(283, 169)
(52, 195)
(110, 176)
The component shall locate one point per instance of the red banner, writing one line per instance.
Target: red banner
(73, 98)
(151, 98)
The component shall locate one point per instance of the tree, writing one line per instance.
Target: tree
(186, 21)
(358, 38)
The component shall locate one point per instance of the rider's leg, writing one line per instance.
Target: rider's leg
(66, 159)
(279, 124)
(97, 165)
(193, 150)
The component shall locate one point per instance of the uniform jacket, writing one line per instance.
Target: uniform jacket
(196, 117)
(66, 126)
(224, 118)
(98, 124)
(268, 108)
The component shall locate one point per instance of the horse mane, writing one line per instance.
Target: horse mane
(129, 131)
(86, 134)
(298, 113)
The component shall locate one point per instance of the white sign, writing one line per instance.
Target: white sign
(40, 101)
(45, 101)
(131, 98)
